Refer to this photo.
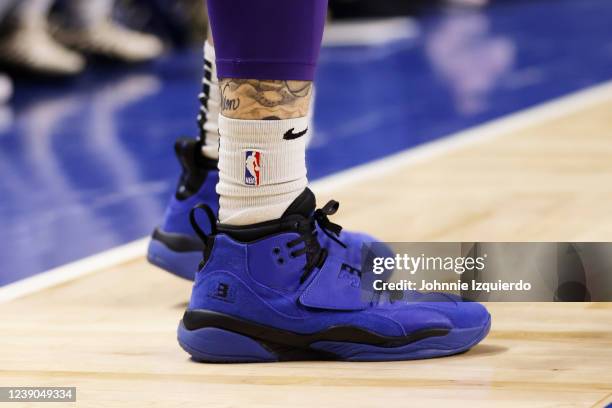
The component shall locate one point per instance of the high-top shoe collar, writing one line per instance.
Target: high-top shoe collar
(299, 219)
(195, 167)
(295, 219)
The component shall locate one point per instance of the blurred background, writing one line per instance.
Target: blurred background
(93, 94)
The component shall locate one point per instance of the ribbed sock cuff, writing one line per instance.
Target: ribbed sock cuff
(262, 168)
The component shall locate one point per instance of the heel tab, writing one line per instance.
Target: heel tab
(207, 240)
(211, 218)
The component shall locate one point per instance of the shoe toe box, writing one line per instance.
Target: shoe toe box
(438, 310)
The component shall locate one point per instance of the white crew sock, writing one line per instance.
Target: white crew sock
(209, 105)
(260, 172)
(210, 102)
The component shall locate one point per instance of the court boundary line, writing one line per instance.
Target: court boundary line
(76, 269)
(493, 129)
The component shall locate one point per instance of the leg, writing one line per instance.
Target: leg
(30, 12)
(266, 75)
(28, 44)
(210, 102)
(90, 29)
(174, 245)
(89, 13)
(267, 289)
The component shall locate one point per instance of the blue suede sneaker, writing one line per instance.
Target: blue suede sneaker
(175, 247)
(271, 292)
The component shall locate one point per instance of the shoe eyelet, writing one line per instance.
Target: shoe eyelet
(280, 261)
(276, 250)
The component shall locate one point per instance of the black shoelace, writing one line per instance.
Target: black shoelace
(315, 255)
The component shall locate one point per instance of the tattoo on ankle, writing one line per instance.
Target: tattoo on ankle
(228, 104)
(264, 99)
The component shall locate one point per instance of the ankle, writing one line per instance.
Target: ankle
(262, 168)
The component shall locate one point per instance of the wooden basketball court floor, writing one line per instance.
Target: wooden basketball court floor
(541, 176)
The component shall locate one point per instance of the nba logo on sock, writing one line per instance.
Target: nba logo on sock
(252, 161)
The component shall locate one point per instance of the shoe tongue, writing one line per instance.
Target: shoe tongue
(303, 205)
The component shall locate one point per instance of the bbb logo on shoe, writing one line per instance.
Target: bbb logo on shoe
(222, 291)
(252, 162)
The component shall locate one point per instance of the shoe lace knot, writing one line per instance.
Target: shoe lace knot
(329, 228)
(315, 254)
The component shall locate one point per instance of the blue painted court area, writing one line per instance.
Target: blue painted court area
(88, 165)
